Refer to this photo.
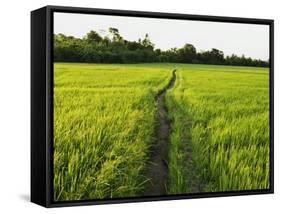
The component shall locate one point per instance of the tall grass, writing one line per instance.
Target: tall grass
(222, 114)
(104, 121)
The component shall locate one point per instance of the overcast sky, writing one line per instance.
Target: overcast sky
(249, 39)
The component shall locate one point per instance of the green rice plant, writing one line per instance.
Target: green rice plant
(104, 121)
(227, 109)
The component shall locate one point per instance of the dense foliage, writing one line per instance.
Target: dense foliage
(113, 48)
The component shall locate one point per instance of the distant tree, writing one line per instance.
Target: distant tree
(132, 46)
(106, 41)
(187, 54)
(67, 48)
(158, 51)
(93, 37)
(214, 56)
(217, 56)
(147, 43)
(113, 48)
(115, 34)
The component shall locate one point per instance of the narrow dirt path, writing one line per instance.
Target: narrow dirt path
(158, 170)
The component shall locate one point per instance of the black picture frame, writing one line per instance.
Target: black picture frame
(42, 103)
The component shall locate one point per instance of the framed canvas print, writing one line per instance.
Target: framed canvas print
(131, 106)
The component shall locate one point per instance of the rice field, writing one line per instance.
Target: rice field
(105, 121)
(223, 113)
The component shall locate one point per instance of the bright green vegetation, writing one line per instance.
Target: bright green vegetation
(220, 129)
(104, 122)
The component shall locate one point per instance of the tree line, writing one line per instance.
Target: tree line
(113, 48)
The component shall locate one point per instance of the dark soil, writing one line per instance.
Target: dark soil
(158, 169)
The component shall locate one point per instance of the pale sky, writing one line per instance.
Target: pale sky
(252, 40)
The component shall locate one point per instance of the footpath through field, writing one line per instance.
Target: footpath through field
(158, 169)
